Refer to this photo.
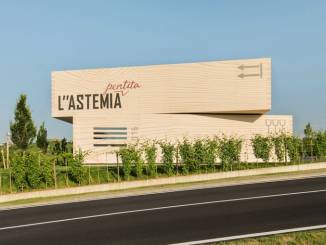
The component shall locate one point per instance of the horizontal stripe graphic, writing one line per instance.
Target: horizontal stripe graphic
(110, 128)
(109, 138)
(105, 145)
(108, 133)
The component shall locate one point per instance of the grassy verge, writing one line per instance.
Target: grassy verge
(104, 174)
(164, 188)
(317, 237)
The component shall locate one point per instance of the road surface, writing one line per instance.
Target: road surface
(172, 217)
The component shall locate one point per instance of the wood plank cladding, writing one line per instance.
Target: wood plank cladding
(111, 107)
(235, 87)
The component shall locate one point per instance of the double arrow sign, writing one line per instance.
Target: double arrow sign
(244, 67)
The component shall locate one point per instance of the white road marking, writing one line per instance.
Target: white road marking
(159, 208)
(228, 238)
(173, 189)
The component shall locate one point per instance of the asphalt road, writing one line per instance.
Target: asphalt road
(172, 217)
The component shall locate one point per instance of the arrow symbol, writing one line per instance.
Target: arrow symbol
(242, 67)
(248, 75)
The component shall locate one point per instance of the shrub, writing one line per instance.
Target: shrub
(47, 171)
(229, 150)
(139, 164)
(294, 148)
(168, 151)
(279, 147)
(19, 171)
(320, 144)
(129, 156)
(33, 170)
(150, 156)
(187, 156)
(199, 151)
(262, 147)
(211, 147)
(77, 172)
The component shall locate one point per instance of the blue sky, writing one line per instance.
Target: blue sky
(37, 37)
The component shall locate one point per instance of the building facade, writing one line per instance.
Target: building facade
(112, 107)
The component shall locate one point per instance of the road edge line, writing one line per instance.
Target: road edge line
(251, 235)
(160, 208)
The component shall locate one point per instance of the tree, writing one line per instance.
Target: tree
(57, 147)
(64, 145)
(308, 140)
(41, 138)
(22, 129)
(308, 131)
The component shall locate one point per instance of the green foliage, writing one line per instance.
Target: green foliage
(199, 151)
(279, 146)
(308, 131)
(58, 147)
(320, 144)
(139, 163)
(130, 156)
(63, 146)
(42, 138)
(262, 147)
(187, 156)
(150, 156)
(2, 157)
(33, 168)
(211, 147)
(18, 168)
(168, 151)
(55, 147)
(229, 149)
(77, 171)
(47, 170)
(293, 148)
(22, 129)
(308, 141)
